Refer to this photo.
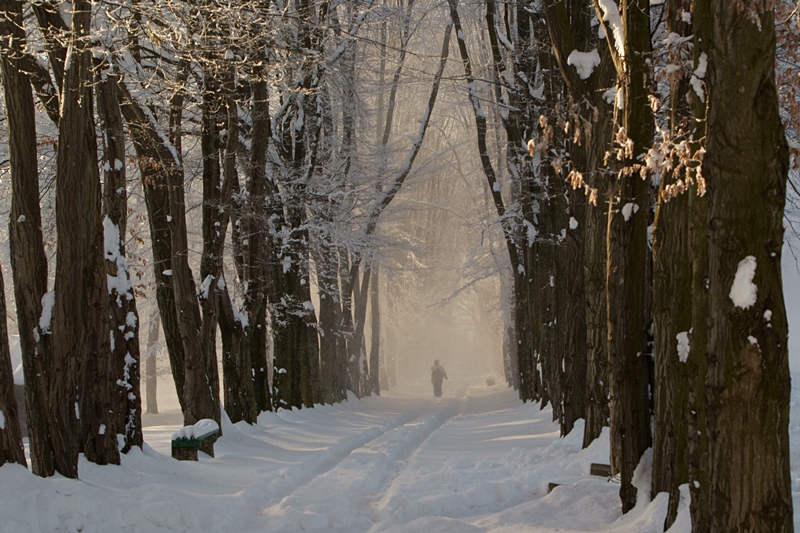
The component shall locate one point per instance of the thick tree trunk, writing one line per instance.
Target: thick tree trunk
(254, 263)
(672, 302)
(28, 260)
(98, 385)
(237, 371)
(330, 318)
(570, 28)
(747, 384)
(627, 258)
(79, 323)
(572, 319)
(697, 362)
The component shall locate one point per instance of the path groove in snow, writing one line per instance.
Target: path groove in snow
(360, 478)
(476, 460)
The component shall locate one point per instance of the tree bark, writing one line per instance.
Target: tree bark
(255, 270)
(11, 449)
(124, 318)
(79, 325)
(627, 253)
(28, 260)
(672, 300)
(747, 384)
(570, 28)
(375, 338)
(151, 366)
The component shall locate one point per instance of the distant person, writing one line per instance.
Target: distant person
(437, 375)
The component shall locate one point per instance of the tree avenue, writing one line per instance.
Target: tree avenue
(252, 167)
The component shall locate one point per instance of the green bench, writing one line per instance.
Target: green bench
(201, 436)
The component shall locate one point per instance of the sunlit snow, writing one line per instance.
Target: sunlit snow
(584, 62)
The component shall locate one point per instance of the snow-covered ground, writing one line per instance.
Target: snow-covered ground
(475, 460)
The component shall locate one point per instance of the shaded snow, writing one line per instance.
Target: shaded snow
(475, 460)
(48, 301)
(683, 345)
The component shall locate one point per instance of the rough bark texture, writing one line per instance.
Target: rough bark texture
(254, 264)
(747, 384)
(627, 260)
(237, 371)
(569, 25)
(697, 361)
(79, 326)
(672, 302)
(201, 378)
(28, 260)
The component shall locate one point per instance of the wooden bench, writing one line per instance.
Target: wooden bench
(201, 436)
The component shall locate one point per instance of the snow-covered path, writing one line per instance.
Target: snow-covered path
(475, 460)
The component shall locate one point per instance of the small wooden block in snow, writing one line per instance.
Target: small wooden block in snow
(599, 469)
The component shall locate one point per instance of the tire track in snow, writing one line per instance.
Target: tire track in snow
(351, 486)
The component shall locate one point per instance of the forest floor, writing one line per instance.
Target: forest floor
(475, 460)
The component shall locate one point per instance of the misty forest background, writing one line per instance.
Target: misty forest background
(295, 201)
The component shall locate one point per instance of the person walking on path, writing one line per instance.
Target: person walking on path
(438, 374)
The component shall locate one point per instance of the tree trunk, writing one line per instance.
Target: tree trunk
(151, 366)
(98, 386)
(569, 25)
(570, 28)
(79, 323)
(672, 301)
(358, 353)
(375, 338)
(28, 260)
(627, 257)
(157, 162)
(251, 243)
(11, 449)
(697, 362)
(124, 318)
(237, 370)
(747, 384)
